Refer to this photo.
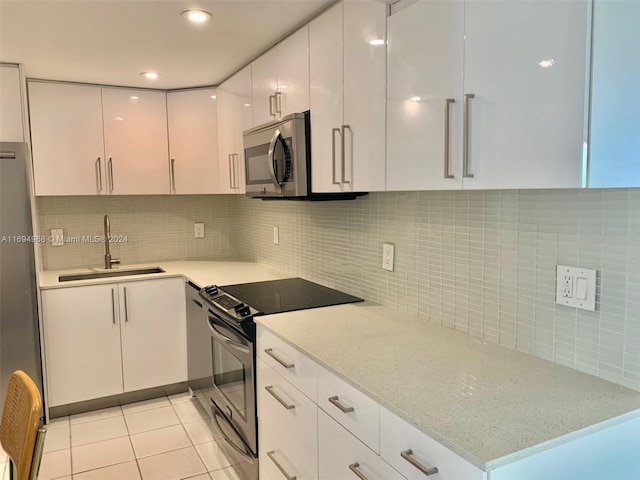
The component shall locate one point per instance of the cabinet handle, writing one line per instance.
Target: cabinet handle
(333, 155)
(269, 388)
(230, 172)
(110, 165)
(126, 306)
(407, 456)
(272, 455)
(269, 351)
(334, 401)
(272, 99)
(447, 154)
(236, 170)
(465, 139)
(278, 97)
(173, 174)
(342, 150)
(99, 175)
(113, 306)
(354, 468)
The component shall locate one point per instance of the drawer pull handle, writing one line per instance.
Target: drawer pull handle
(272, 456)
(336, 402)
(269, 388)
(269, 351)
(407, 456)
(354, 468)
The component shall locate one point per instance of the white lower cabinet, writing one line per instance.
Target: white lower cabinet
(415, 455)
(288, 429)
(343, 456)
(103, 340)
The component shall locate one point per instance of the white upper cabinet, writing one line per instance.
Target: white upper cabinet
(135, 137)
(614, 157)
(66, 139)
(235, 115)
(517, 118)
(280, 79)
(347, 92)
(10, 104)
(193, 141)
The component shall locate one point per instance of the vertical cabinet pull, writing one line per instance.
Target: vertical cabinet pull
(173, 174)
(230, 171)
(110, 178)
(426, 470)
(272, 455)
(99, 175)
(236, 171)
(447, 153)
(272, 101)
(113, 306)
(269, 388)
(343, 151)
(278, 99)
(333, 155)
(465, 136)
(354, 468)
(336, 402)
(126, 306)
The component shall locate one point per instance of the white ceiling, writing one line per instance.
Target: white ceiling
(112, 41)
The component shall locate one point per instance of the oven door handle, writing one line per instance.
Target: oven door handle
(224, 339)
(271, 158)
(243, 452)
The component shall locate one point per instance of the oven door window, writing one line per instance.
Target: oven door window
(229, 376)
(257, 162)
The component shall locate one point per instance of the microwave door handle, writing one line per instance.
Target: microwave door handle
(271, 158)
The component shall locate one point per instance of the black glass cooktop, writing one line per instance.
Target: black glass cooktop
(278, 296)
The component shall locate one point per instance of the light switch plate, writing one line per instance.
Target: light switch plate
(199, 230)
(387, 256)
(57, 237)
(576, 287)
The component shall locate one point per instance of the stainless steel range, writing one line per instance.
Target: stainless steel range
(230, 311)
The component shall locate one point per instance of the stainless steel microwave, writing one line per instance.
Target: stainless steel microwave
(277, 158)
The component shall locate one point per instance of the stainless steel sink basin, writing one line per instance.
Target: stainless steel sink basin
(109, 274)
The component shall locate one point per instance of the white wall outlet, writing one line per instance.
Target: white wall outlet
(576, 287)
(387, 256)
(199, 230)
(57, 237)
(276, 236)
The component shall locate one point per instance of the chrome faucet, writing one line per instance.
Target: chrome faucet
(108, 262)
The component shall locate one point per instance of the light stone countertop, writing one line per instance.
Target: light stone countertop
(489, 404)
(201, 273)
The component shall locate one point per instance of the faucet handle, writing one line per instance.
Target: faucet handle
(115, 261)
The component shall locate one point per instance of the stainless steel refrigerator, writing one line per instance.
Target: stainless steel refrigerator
(19, 332)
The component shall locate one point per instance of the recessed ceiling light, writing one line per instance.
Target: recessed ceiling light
(213, 96)
(196, 16)
(150, 75)
(415, 99)
(376, 41)
(547, 63)
(133, 97)
(247, 104)
(119, 119)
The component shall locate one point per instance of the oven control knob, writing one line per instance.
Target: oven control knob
(242, 309)
(211, 290)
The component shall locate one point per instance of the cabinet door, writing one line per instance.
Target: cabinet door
(154, 343)
(66, 138)
(264, 85)
(525, 63)
(10, 105)
(82, 343)
(326, 97)
(614, 158)
(242, 120)
(425, 61)
(226, 137)
(135, 136)
(292, 66)
(341, 455)
(193, 141)
(364, 40)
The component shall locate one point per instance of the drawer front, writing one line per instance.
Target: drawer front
(350, 408)
(397, 437)
(342, 455)
(297, 368)
(288, 428)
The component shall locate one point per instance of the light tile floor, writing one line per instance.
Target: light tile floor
(166, 438)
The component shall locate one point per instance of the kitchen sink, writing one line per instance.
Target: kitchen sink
(109, 274)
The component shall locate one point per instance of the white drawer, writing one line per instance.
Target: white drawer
(397, 437)
(341, 453)
(288, 428)
(351, 408)
(297, 368)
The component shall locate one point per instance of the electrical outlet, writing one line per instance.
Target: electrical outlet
(57, 237)
(387, 256)
(576, 287)
(276, 236)
(199, 230)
